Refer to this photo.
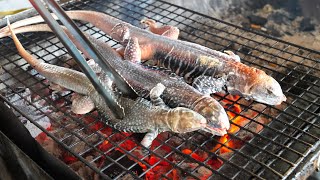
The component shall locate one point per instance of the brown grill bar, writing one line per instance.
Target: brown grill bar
(279, 150)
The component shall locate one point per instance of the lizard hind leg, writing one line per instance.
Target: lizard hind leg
(148, 138)
(166, 30)
(155, 94)
(81, 104)
(132, 51)
(55, 87)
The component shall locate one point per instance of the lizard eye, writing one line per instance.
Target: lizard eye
(251, 88)
(269, 91)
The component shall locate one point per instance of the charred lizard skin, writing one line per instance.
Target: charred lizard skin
(192, 61)
(141, 116)
(143, 79)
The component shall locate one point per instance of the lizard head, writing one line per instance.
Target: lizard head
(182, 120)
(266, 90)
(257, 85)
(212, 110)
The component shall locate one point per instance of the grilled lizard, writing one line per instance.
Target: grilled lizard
(141, 116)
(207, 73)
(207, 69)
(143, 79)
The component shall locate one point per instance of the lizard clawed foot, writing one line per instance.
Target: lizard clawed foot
(120, 32)
(148, 138)
(166, 30)
(149, 22)
(230, 53)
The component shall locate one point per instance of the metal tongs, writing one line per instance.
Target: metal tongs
(80, 37)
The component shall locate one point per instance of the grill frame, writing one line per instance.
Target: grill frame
(115, 7)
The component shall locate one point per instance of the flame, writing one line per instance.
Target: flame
(193, 155)
(215, 163)
(98, 125)
(236, 119)
(157, 172)
(175, 174)
(128, 145)
(163, 147)
(162, 167)
(104, 146)
(159, 166)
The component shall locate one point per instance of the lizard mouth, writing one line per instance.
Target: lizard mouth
(215, 131)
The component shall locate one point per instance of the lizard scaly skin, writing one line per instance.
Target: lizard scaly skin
(143, 79)
(141, 116)
(190, 60)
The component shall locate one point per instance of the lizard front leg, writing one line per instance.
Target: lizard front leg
(166, 30)
(80, 104)
(233, 56)
(148, 138)
(133, 50)
(155, 94)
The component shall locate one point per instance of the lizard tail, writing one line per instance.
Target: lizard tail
(70, 79)
(28, 57)
(18, 30)
(41, 28)
(98, 19)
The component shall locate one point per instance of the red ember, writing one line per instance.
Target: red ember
(236, 119)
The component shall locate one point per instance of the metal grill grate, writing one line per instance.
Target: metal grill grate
(283, 147)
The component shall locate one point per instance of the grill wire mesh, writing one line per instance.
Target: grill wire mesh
(278, 150)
